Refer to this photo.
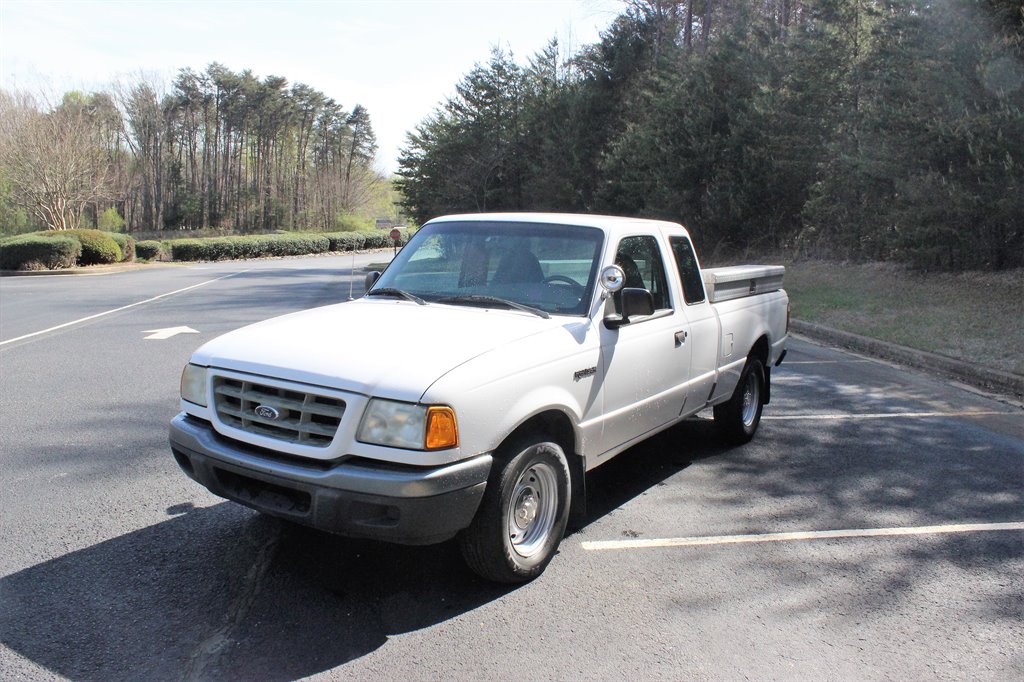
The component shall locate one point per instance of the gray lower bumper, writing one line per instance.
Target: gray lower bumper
(408, 505)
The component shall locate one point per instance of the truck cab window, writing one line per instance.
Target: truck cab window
(689, 272)
(640, 260)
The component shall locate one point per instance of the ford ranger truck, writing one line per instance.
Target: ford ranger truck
(486, 370)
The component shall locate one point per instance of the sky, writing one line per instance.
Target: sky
(398, 58)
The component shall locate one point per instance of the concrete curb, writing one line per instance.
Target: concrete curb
(974, 375)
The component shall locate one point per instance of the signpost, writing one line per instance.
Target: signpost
(396, 237)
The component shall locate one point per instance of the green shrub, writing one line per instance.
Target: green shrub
(369, 239)
(222, 248)
(148, 250)
(346, 241)
(126, 244)
(296, 244)
(35, 252)
(281, 244)
(198, 249)
(110, 221)
(98, 248)
(378, 240)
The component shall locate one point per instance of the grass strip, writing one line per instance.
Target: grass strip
(972, 316)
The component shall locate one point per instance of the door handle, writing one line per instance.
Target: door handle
(681, 337)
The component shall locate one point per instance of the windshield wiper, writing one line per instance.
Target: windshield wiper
(389, 291)
(476, 298)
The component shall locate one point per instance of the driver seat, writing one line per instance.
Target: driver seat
(518, 265)
(634, 280)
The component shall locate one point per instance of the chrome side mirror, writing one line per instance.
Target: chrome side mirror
(612, 279)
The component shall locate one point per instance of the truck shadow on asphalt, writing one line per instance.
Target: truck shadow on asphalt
(221, 592)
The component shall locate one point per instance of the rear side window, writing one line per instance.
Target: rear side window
(689, 273)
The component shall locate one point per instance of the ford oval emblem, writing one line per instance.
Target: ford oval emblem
(267, 412)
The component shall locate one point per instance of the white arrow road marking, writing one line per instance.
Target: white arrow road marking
(124, 307)
(161, 334)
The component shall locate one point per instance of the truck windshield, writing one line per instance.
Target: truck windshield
(551, 268)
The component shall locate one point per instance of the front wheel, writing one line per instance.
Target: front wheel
(738, 418)
(523, 514)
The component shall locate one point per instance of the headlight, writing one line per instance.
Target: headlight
(404, 425)
(193, 384)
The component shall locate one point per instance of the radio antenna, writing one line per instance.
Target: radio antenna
(352, 275)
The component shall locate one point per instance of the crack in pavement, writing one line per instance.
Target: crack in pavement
(208, 655)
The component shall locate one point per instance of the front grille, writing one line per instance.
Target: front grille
(304, 418)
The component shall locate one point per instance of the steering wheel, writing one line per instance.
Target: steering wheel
(562, 279)
(577, 288)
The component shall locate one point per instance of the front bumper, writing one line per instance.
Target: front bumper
(356, 497)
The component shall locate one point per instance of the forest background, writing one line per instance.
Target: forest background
(859, 129)
(222, 150)
(854, 129)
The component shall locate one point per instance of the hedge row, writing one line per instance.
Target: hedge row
(292, 244)
(50, 250)
(127, 245)
(148, 249)
(98, 248)
(354, 241)
(229, 248)
(34, 252)
(94, 247)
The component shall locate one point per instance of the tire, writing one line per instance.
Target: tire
(523, 514)
(738, 418)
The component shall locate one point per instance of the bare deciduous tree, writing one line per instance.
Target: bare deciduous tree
(53, 160)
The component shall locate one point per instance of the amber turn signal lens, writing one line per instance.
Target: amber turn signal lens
(442, 431)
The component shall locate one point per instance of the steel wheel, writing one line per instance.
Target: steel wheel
(738, 418)
(523, 513)
(532, 508)
(751, 400)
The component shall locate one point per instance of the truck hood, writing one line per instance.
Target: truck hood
(380, 347)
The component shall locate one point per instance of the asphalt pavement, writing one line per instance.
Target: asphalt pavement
(874, 528)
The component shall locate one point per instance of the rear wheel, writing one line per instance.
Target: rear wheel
(523, 514)
(737, 419)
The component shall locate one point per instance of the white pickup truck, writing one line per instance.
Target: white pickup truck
(494, 362)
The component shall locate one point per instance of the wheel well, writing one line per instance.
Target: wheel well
(760, 351)
(554, 424)
(557, 426)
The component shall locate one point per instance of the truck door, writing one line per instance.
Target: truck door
(703, 324)
(646, 362)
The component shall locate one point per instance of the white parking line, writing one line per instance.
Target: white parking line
(117, 310)
(883, 415)
(824, 362)
(805, 535)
